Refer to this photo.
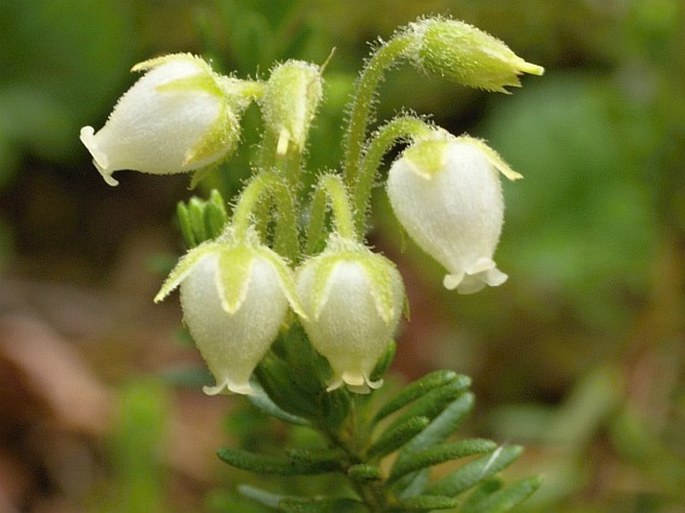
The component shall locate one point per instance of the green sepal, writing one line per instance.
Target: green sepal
(501, 500)
(384, 362)
(185, 266)
(263, 464)
(425, 503)
(476, 471)
(382, 274)
(221, 137)
(286, 277)
(419, 388)
(235, 269)
(362, 472)
(322, 284)
(493, 157)
(396, 436)
(326, 505)
(440, 454)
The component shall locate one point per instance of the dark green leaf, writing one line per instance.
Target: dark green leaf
(426, 503)
(439, 454)
(364, 472)
(418, 389)
(476, 471)
(396, 436)
(262, 464)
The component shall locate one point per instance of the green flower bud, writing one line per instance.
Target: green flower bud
(353, 300)
(235, 296)
(180, 116)
(460, 52)
(290, 100)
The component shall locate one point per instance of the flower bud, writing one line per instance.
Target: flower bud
(234, 297)
(462, 53)
(290, 100)
(353, 300)
(447, 195)
(178, 117)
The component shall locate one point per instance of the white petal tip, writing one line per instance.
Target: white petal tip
(485, 273)
(100, 160)
(452, 281)
(228, 387)
(356, 383)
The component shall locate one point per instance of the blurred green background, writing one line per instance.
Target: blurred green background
(579, 356)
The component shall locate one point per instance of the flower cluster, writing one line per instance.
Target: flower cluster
(242, 288)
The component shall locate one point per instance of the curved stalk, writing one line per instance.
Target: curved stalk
(286, 237)
(361, 111)
(400, 128)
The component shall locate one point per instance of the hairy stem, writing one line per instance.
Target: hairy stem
(330, 190)
(400, 128)
(361, 112)
(286, 237)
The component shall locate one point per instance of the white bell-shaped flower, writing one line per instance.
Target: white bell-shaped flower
(353, 299)
(180, 116)
(446, 193)
(234, 298)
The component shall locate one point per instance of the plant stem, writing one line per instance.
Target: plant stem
(330, 190)
(286, 237)
(400, 128)
(353, 438)
(361, 112)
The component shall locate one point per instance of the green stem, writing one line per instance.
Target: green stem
(289, 164)
(361, 112)
(286, 239)
(330, 190)
(400, 128)
(353, 438)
